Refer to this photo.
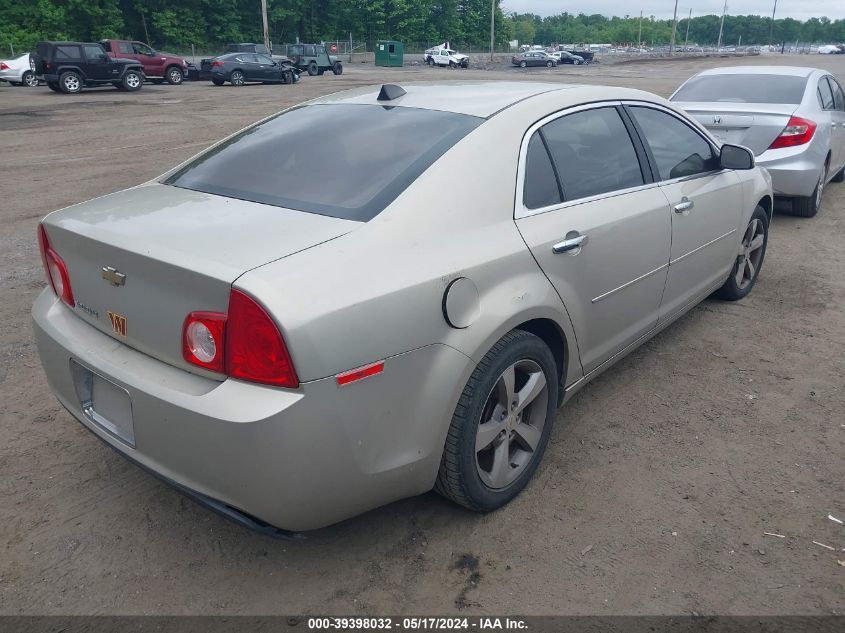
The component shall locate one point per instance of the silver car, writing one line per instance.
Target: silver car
(19, 71)
(792, 118)
(292, 351)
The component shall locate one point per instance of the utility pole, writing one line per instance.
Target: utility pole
(264, 23)
(640, 37)
(674, 29)
(492, 26)
(722, 26)
(772, 27)
(689, 21)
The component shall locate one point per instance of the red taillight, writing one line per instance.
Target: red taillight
(203, 339)
(255, 349)
(216, 63)
(797, 132)
(243, 343)
(55, 268)
(4, 66)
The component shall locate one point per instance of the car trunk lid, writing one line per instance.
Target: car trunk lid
(180, 251)
(754, 125)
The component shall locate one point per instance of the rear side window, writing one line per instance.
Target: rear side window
(825, 94)
(593, 153)
(541, 187)
(678, 150)
(345, 161)
(743, 89)
(67, 52)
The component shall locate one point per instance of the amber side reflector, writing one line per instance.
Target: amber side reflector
(360, 373)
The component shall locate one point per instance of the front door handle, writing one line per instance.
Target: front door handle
(684, 205)
(571, 244)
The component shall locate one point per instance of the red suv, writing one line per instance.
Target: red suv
(158, 67)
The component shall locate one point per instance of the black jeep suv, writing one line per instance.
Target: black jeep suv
(70, 66)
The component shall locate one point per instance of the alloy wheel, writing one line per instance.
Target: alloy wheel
(133, 80)
(30, 80)
(72, 83)
(820, 188)
(750, 254)
(237, 78)
(175, 76)
(511, 425)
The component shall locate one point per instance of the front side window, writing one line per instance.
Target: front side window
(593, 153)
(678, 150)
(93, 52)
(124, 48)
(141, 49)
(278, 161)
(262, 59)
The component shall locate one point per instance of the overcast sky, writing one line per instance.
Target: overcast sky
(798, 9)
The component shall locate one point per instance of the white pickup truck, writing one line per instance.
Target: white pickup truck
(443, 56)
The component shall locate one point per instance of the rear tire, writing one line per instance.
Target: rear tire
(517, 435)
(29, 79)
(132, 80)
(809, 206)
(70, 82)
(313, 69)
(749, 261)
(337, 68)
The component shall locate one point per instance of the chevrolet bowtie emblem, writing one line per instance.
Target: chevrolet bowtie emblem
(113, 276)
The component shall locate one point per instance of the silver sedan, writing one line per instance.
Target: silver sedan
(793, 118)
(292, 350)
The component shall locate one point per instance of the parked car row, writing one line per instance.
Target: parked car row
(69, 67)
(543, 58)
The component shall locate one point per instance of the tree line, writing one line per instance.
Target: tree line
(210, 24)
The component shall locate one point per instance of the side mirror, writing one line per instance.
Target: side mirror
(736, 157)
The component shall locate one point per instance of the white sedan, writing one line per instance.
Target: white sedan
(18, 71)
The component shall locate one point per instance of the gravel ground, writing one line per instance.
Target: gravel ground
(659, 483)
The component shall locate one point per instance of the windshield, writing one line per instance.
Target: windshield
(743, 89)
(346, 161)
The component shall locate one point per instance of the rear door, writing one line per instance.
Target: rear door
(705, 203)
(837, 123)
(596, 224)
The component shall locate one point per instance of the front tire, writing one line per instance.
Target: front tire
(749, 261)
(549, 64)
(174, 76)
(523, 64)
(29, 79)
(236, 78)
(132, 81)
(337, 68)
(70, 82)
(501, 425)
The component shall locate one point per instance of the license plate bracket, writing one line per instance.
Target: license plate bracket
(104, 403)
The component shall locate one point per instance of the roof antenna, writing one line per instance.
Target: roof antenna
(389, 92)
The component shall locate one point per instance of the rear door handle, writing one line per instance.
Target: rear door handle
(684, 205)
(571, 245)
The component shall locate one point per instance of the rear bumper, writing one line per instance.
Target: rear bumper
(795, 170)
(295, 459)
(12, 75)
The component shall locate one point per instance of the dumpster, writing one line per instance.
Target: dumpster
(390, 53)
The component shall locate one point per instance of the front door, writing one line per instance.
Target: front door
(837, 122)
(98, 65)
(267, 68)
(153, 64)
(597, 226)
(705, 203)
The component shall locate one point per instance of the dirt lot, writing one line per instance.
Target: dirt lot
(660, 480)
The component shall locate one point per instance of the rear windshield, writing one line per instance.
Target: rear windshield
(346, 161)
(743, 89)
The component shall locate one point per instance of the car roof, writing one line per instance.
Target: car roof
(790, 71)
(476, 98)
